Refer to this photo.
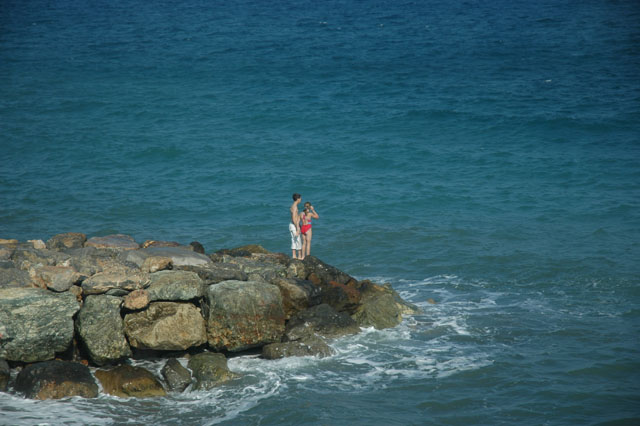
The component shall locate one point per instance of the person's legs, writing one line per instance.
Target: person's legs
(308, 245)
(295, 242)
(304, 244)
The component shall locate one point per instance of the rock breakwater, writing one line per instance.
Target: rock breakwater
(74, 305)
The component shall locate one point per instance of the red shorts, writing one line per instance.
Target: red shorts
(305, 228)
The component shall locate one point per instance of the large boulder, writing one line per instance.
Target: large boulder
(175, 285)
(119, 278)
(180, 256)
(320, 320)
(243, 314)
(297, 295)
(257, 270)
(214, 273)
(5, 375)
(55, 380)
(176, 376)
(166, 326)
(69, 240)
(312, 346)
(35, 323)
(210, 370)
(101, 329)
(56, 278)
(113, 242)
(381, 307)
(12, 277)
(156, 263)
(90, 260)
(126, 381)
(244, 251)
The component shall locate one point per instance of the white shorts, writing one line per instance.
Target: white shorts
(296, 244)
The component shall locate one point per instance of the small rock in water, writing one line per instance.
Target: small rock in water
(176, 376)
(56, 379)
(127, 381)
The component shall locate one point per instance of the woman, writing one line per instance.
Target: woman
(307, 214)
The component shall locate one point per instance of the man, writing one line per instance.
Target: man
(294, 228)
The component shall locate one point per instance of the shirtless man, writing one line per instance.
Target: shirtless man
(294, 228)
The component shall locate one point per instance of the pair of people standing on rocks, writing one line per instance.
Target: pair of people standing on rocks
(301, 235)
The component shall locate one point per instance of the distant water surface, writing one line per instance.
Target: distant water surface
(483, 154)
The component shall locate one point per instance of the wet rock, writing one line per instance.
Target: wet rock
(210, 370)
(197, 247)
(243, 314)
(55, 380)
(137, 299)
(214, 273)
(68, 240)
(166, 326)
(56, 278)
(312, 346)
(113, 242)
(322, 320)
(126, 381)
(297, 295)
(175, 286)
(176, 376)
(12, 277)
(319, 272)
(156, 263)
(180, 256)
(101, 329)
(35, 323)
(118, 278)
(381, 307)
(5, 375)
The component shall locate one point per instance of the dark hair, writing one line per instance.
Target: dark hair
(308, 202)
(296, 196)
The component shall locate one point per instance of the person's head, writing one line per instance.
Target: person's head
(296, 196)
(307, 205)
(306, 210)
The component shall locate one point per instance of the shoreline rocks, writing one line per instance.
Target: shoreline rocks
(104, 300)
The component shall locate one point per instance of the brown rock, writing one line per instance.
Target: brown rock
(127, 381)
(116, 242)
(166, 326)
(56, 278)
(152, 243)
(69, 240)
(156, 263)
(56, 379)
(8, 242)
(137, 299)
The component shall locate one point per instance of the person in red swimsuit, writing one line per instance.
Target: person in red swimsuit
(308, 213)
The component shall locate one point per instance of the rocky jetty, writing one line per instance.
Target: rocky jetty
(76, 311)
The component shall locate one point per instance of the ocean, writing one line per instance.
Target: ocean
(485, 155)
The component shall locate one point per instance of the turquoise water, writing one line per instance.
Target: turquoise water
(483, 155)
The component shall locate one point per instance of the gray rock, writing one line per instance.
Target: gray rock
(322, 320)
(312, 346)
(118, 278)
(210, 370)
(12, 277)
(174, 286)
(113, 242)
(243, 314)
(89, 261)
(26, 257)
(197, 247)
(56, 278)
(258, 271)
(381, 307)
(215, 273)
(69, 240)
(35, 323)
(101, 329)
(5, 375)
(166, 326)
(176, 376)
(6, 252)
(55, 380)
(179, 255)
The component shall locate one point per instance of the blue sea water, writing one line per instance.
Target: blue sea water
(482, 154)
